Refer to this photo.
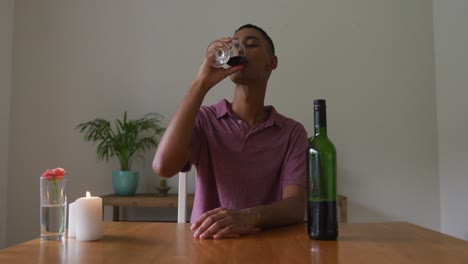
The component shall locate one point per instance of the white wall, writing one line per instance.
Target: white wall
(371, 59)
(451, 41)
(6, 41)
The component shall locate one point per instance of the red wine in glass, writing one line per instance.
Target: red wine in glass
(237, 60)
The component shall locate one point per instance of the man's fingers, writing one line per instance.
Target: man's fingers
(227, 40)
(226, 232)
(210, 220)
(215, 227)
(203, 217)
(222, 223)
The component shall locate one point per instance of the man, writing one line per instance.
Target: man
(250, 160)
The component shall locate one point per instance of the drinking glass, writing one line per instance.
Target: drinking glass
(222, 54)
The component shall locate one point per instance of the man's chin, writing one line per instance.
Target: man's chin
(238, 77)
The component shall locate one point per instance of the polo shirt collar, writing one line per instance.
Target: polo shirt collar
(223, 108)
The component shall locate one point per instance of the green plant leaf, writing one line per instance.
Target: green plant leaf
(129, 138)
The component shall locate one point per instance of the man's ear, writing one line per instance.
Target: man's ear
(274, 62)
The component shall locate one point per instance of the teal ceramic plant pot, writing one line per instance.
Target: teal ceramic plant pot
(125, 182)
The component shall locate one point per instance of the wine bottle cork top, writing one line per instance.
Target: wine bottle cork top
(320, 104)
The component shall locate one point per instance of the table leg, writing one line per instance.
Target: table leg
(116, 214)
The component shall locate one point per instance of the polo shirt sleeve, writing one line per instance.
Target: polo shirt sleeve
(295, 167)
(195, 141)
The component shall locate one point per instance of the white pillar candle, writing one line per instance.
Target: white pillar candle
(89, 218)
(71, 220)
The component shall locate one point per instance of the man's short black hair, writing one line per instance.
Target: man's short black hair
(264, 34)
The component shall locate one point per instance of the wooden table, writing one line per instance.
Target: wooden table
(142, 200)
(130, 242)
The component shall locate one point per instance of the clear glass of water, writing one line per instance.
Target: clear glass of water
(53, 208)
(222, 54)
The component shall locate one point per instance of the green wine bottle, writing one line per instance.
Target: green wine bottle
(322, 220)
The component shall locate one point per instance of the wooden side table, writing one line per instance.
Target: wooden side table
(343, 204)
(142, 200)
(170, 201)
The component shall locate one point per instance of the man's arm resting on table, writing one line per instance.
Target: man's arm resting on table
(289, 210)
(222, 223)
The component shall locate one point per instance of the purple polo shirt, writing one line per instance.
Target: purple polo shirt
(238, 167)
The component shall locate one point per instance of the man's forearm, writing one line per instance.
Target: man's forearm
(287, 211)
(173, 149)
(222, 222)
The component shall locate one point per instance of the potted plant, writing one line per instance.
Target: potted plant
(128, 139)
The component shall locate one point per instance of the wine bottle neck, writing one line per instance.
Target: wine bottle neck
(320, 131)
(320, 121)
